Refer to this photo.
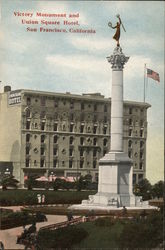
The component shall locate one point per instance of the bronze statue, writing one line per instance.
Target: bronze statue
(117, 27)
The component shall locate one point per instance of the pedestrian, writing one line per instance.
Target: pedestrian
(39, 198)
(43, 198)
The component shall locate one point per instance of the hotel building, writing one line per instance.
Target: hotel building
(65, 134)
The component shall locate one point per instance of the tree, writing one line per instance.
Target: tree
(144, 189)
(157, 189)
(31, 181)
(58, 183)
(81, 183)
(9, 181)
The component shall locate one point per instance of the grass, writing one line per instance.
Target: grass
(100, 237)
(29, 197)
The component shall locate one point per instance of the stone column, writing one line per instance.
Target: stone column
(118, 59)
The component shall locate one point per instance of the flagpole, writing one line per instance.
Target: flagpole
(144, 81)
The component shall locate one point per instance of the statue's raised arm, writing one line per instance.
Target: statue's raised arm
(117, 27)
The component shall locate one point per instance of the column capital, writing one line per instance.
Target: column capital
(118, 59)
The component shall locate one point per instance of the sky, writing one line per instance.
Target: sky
(76, 62)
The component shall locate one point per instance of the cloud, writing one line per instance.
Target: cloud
(82, 63)
(91, 44)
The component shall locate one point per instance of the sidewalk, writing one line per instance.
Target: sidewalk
(9, 236)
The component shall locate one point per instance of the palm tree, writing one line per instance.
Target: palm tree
(8, 181)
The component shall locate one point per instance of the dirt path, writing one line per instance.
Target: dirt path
(9, 236)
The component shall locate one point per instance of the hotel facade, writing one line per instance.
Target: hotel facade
(65, 134)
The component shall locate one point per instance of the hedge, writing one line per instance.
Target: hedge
(29, 197)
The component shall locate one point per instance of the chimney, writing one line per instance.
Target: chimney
(7, 88)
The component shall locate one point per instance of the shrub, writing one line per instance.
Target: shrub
(61, 238)
(143, 233)
(104, 222)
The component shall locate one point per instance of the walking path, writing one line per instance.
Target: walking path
(9, 236)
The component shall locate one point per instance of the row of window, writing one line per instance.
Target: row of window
(56, 104)
(71, 140)
(71, 127)
(70, 164)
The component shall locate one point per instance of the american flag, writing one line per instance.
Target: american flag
(152, 74)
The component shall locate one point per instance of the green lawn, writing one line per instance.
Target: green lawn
(100, 236)
(29, 197)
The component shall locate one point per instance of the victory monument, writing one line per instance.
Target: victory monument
(115, 168)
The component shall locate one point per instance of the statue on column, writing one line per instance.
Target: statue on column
(117, 27)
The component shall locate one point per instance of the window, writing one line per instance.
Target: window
(130, 122)
(27, 124)
(42, 125)
(141, 133)
(130, 111)
(81, 140)
(42, 163)
(54, 151)
(28, 101)
(130, 132)
(35, 163)
(141, 155)
(94, 153)
(134, 179)
(27, 112)
(82, 128)
(27, 150)
(94, 141)
(130, 154)
(141, 144)
(71, 140)
(42, 150)
(42, 138)
(81, 164)
(82, 117)
(129, 143)
(105, 142)
(94, 129)
(54, 163)
(95, 107)
(105, 108)
(71, 116)
(81, 153)
(55, 139)
(104, 130)
(70, 152)
(55, 127)
(141, 165)
(28, 138)
(43, 101)
(27, 163)
(70, 164)
(71, 127)
(94, 164)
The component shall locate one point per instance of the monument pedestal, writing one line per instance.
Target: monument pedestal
(115, 182)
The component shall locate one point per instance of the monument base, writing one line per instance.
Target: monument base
(115, 185)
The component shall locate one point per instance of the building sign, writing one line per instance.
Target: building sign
(14, 97)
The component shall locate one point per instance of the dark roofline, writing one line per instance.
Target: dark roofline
(98, 97)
